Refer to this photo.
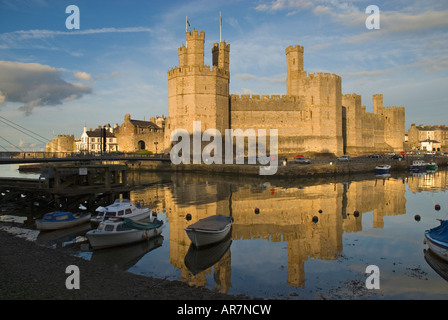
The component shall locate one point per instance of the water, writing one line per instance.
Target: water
(280, 252)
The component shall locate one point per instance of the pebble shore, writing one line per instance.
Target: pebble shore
(33, 272)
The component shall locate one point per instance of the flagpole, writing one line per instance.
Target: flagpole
(220, 26)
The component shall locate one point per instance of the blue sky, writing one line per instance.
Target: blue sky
(117, 62)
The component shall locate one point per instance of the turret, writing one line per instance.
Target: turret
(294, 68)
(195, 48)
(220, 54)
(378, 104)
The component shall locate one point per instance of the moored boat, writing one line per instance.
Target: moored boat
(209, 230)
(61, 219)
(431, 166)
(437, 240)
(114, 232)
(418, 166)
(122, 208)
(382, 169)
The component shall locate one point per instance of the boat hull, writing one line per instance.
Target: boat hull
(382, 169)
(101, 240)
(56, 225)
(437, 247)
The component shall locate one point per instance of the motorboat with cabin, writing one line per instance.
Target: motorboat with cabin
(121, 208)
(118, 231)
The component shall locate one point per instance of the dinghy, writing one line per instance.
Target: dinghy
(437, 240)
(209, 230)
(61, 219)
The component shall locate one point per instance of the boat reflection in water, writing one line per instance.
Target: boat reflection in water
(200, 259)
(436, 263)
(125, 257)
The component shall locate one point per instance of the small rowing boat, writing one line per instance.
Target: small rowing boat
(61, 219)
(209, 230)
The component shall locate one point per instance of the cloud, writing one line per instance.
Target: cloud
(80, 75)
(43, 34)
(278, 5)
(33, 85)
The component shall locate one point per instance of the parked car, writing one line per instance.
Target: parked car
(302, 160)
(344, 158)
(375, 156)
(397, 157)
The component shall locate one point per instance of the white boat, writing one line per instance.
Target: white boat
(418, 166)
(437, 240)
(114, 232)
(382, 169)
(122, 208)
(61, 219)
(209, 230)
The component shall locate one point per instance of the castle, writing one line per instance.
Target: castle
(313, 117)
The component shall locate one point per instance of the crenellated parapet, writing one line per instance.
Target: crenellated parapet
(197, 71)
(273, 102)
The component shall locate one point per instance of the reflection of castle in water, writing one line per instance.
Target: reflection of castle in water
(285, 214)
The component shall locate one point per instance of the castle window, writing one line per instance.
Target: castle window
(293, 61)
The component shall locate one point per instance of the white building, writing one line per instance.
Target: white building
(92, 140)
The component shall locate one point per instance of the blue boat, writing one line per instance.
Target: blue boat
(61, 219)
(437, 240)
(382, 169)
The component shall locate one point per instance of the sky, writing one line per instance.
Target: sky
(55, 79)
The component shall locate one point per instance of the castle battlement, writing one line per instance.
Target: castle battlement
(323, 76)
(352, 96)
(195, 34)
(197, 71)
(266, 98)
(294, 48)
(220, 45)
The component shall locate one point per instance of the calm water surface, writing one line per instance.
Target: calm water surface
(281, 251)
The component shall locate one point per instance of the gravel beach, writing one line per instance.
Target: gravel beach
(33, 272)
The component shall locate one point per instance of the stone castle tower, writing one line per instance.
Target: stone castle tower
(197, 92)
(313, 116)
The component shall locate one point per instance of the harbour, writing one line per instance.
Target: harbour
(291, 238)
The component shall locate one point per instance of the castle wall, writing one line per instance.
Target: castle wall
(380, 131)
(299, 128)
(63, 143)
